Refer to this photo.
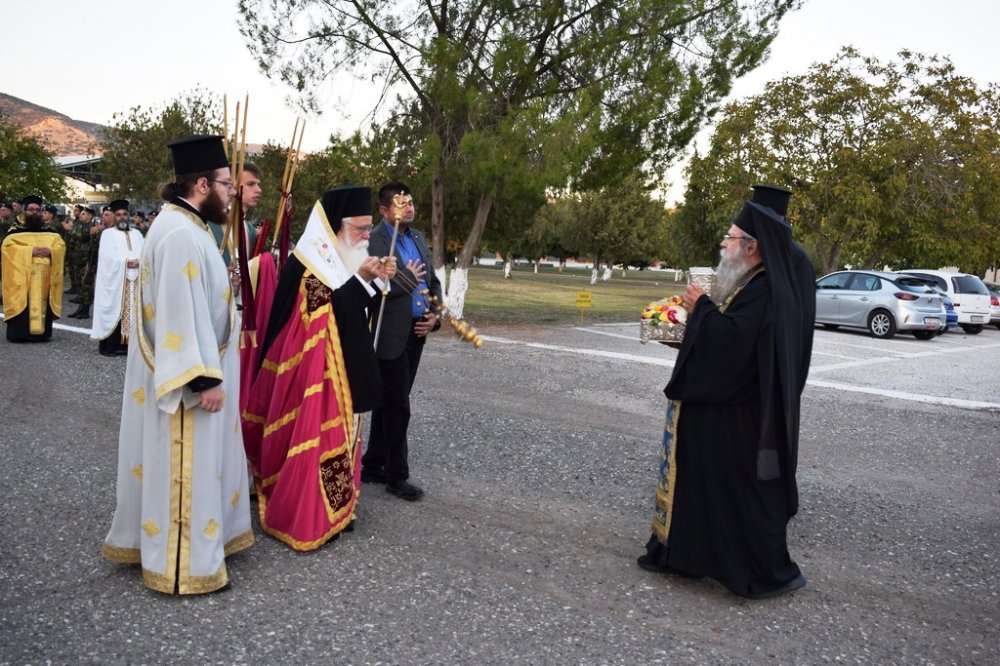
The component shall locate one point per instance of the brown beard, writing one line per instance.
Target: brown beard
(213, 208)
(33, 222)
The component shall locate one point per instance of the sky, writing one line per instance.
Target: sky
(92, 59)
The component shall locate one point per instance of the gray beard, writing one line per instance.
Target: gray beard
(729, 276)
(352, 255)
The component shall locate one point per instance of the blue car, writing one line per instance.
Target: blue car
(951, 320)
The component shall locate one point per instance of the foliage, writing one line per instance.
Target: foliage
(622, 223)
(136, 158)
(892, 164)
(512, 96)
(26, 167)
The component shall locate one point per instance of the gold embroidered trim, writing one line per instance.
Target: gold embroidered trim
(294, 413)
(121, 555)
(253, 418)
(238, 543)
(185, 580)
(177, 382)
(285, 366)
(289, 540)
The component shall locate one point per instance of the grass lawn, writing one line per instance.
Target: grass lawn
(549, 297)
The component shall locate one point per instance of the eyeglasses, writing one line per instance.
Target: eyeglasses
(31, 209)
(362, 229)
(729, 238)
(228, 184)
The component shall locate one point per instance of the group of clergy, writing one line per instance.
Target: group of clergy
(206, 392)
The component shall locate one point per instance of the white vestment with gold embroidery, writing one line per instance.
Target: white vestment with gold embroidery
(182, 488)
(115, 281)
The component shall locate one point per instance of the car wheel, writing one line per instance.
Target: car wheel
(924, 335)
(834, 327)
(881, 325)
(972, 329)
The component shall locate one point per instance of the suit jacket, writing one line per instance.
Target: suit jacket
(397, 322)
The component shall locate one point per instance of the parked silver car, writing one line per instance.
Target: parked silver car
(994, 303)
(879, 301)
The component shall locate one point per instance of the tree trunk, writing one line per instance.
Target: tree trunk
(458, 287)
(459, 283)
(438, 239)
(468, 251)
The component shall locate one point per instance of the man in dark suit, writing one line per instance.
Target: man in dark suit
(406, 321)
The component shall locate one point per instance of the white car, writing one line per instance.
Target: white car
(968, 294)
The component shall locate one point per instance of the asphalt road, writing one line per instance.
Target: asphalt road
(538, 455)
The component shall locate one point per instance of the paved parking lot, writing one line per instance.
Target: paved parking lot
(538, 454)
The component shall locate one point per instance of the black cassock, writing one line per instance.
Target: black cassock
(726, 523)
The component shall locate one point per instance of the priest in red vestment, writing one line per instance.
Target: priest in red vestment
(318, 369)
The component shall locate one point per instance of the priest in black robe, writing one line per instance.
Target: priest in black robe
(730, 446)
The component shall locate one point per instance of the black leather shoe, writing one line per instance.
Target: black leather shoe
(646, 562)
(404, 490)
(372, 476)
(794, 584)
(82, 312)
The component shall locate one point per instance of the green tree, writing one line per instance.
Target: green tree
(892, 164)
(26, 167)
(620, 224)
(496, 84)
(136, 159)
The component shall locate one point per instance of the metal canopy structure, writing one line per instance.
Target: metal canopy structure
(81, 167)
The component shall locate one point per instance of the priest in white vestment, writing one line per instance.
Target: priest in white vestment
(116, 284)
(182, 491)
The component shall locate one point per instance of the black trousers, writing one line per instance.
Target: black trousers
(387, 448)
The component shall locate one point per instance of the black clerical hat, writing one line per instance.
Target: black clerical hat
(117, 205)
(774, 197)
(346, 201)
(198, 153)
(31, 199)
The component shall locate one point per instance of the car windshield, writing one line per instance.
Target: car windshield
(969, 284)
(915, 285)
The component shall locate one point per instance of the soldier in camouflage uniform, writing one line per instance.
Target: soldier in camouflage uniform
(73, 243)
(86, 262)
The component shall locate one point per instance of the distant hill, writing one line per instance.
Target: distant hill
(57, 132)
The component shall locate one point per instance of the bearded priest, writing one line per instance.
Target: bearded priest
(32, 276)
(116, 284)
(318, 370)
(182, 489)
(729, 454)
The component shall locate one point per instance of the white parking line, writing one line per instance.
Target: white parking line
(844, 356)
(898, 395)
(64, 327)
(610, 335)
(913, 397)
(72, 329)
(649, 360)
